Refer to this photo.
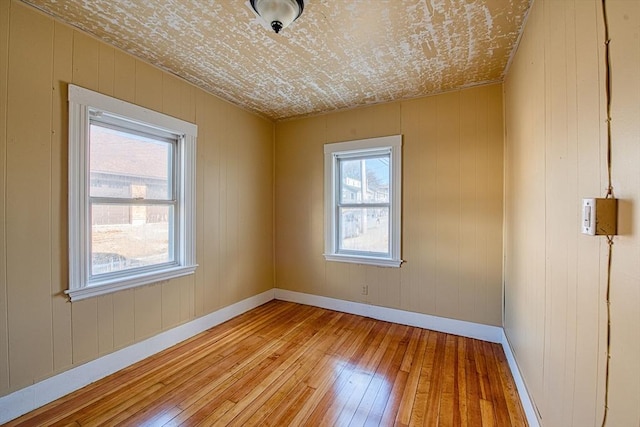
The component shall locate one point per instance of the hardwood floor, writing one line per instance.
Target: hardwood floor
(288, 364)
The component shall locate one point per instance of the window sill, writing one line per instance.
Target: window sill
(354, 259)
(105, 287)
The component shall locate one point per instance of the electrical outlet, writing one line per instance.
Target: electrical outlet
(365, 289)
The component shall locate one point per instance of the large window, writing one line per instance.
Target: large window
(131, 195)
(363, 201)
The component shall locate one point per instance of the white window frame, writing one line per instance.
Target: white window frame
(81, 285)
(363, 147)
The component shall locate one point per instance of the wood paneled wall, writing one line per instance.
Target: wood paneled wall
(452, 206)
(41, 333)
(555, 277)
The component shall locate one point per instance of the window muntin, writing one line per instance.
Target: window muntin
(362, 201)
(131, 195)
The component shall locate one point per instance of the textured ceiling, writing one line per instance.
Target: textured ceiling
(338, 54)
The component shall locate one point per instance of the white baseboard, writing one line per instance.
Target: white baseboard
(426, 321)
(50, 389)
(525, 398)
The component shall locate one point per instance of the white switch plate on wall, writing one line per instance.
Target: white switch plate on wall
(588, 216)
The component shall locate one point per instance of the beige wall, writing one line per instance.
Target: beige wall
(555, 277)
(452, 206)
(41, 333)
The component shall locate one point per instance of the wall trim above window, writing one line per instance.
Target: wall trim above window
(174, 205)
(363, 201)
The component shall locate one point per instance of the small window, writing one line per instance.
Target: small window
(363, 201)
(131, 195)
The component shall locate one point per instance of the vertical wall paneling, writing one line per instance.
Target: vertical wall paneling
(472, 142)
(86, 60)
(246, 206)
(85, 330)
(413, 120)
(124, 69)
(201, 250)
(28, 196)
(86, 325)
(587, 386)
(171, 96)
(299, 247)
(123, 318)
(170, 300)
(147, 311)
(525, 172)
(105, 324)
(557, 202)
(61, 308)
(447, 142)
(255, 239)
(555, 277)
(448, 218)
(4, 61)
(148, 86)
(420, 161)
(229, 214)
(223, 231)
(214, 115)
(491, 198)
(106, 69)
(41, 332)
(571, 212)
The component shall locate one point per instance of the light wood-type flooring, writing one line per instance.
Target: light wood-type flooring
(284, 364)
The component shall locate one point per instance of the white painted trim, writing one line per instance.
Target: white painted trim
(113, 285)
(388, 144)
(364, 260)
(43, 392)
(80, 95)
(82, 102)
(426, 321)
(525, 398)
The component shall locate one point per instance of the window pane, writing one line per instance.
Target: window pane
(374, 188)
(364, 230)
(125, 165)
(125, 237)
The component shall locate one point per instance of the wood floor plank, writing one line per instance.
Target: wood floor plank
(510, 391)
(414, 371)
(361, 376)
(388, 344)
(323, 380)
(284, 364)
(390, 372)
(461, 380)
(436, 380)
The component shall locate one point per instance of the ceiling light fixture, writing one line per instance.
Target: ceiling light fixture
(278, 13)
